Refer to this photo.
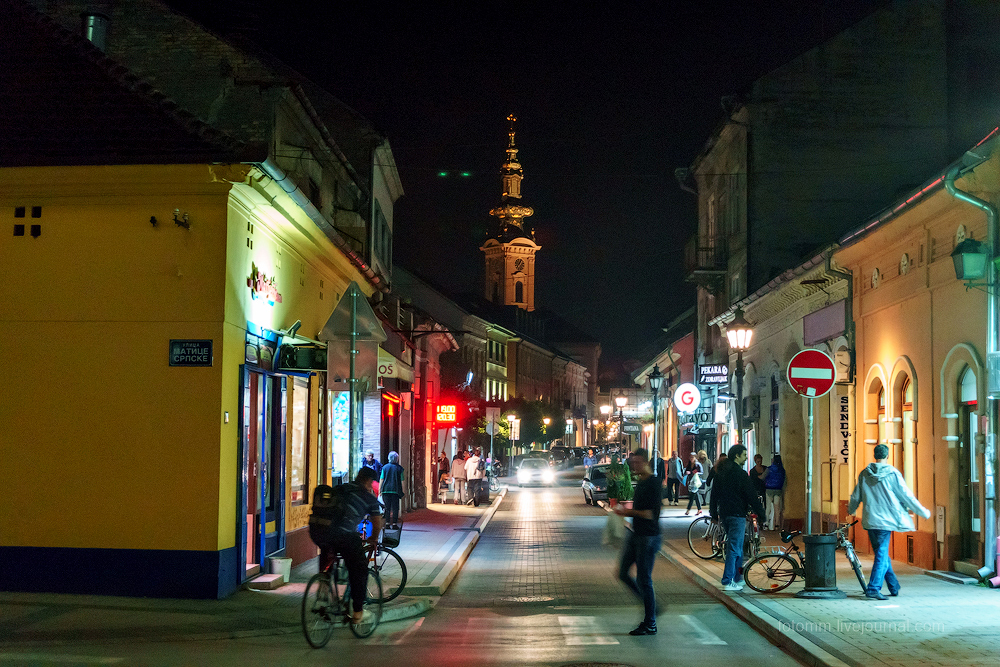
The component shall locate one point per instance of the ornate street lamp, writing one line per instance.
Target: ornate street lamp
(970, 257)
(655, 381)
(739, 332)
(620, 401)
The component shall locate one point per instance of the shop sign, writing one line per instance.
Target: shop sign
(713, 374)
(190, 352)
(840, 440)
(631, 427)
(262, 287)
(687, 398)
(447, 413)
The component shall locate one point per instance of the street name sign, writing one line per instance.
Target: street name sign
(811, 373)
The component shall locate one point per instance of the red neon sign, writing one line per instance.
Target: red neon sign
(447, 413)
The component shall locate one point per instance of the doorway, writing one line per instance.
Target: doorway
(970, 521)
(262, 456)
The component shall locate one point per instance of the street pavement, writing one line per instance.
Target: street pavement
(527, 581)
(931, 622)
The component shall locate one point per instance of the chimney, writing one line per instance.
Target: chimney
(95, 28)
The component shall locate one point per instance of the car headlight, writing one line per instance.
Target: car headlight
(548, 477)
(523, 475)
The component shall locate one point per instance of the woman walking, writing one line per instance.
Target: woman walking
(709, 484)
(774, 489)
(695, 472)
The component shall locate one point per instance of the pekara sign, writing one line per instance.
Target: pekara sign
(713, 374)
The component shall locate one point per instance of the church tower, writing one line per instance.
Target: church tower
(510, 249)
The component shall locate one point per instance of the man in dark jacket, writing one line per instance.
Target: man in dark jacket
(733, 495)
(390, 485)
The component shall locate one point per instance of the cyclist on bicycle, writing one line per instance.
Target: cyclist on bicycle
(733, 495)
(360, 501)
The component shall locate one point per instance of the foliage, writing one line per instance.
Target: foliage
(619, 480)
(532, 429)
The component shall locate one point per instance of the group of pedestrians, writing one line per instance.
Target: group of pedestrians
(466, 472)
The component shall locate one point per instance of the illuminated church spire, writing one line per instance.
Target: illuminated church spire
(510, 249)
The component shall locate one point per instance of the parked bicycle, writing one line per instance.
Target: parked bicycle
(773, 572)
(327, 601)
(389, 564)
(494, 479)
(707, 538)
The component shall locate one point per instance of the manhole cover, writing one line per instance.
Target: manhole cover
(527, 598)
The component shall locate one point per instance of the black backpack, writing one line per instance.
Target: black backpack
(482, 464)
(329, 508)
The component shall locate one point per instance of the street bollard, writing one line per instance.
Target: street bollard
(821, 568)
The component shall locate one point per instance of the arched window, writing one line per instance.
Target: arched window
(881, 420)
(907, 459)
(518, 292)
(968, 469)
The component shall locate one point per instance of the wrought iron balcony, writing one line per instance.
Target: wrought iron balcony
(706, 261)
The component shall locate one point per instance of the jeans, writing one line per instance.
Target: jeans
(641, 550)
(736, 528)
(693, 497)
(391, 508)
(882, 567)
(352, 551)
(673, 489)
(461, 495)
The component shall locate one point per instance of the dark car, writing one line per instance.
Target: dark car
(595, 483)
(559, 456)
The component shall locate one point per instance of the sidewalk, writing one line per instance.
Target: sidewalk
(435, 544)
(932, 622)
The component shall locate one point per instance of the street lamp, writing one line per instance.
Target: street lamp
(606, 411)
(511, 417)
(655, 381)
(620, 401)
(739, 332)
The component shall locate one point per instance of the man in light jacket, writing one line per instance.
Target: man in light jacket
(458, 474)
(887, 503)
(475, 473)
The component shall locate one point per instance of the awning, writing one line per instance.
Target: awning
(391, 367)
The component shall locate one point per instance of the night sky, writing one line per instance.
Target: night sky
(610, 99)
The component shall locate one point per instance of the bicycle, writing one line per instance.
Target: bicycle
(327, 599)
(773, 572)
(389, 564)
(494, 480)
(707, 538)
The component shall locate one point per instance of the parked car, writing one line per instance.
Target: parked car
(535, 471)
(559, 456)
(595, 483)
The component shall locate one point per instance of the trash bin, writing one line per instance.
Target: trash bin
(821, 568)
(282, 566)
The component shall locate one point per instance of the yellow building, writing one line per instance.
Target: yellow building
(158, 443)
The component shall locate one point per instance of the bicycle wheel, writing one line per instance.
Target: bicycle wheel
(392, 572)
(751, 543)
(702, 538)
(372, 607)
(855, 562)
(769, 573)
(494, 483)
(319, 610)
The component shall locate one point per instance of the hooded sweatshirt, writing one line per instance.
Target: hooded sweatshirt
(887, 499)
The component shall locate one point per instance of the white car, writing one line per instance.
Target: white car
(535, 471)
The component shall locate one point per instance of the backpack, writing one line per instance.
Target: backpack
(328, 511)
(775, 478)
(482, 464)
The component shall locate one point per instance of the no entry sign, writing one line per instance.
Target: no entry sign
(811, 373)
(687, 398)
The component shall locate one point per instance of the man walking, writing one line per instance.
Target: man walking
(643, 542)
(675, 473)
(888, 503)
(475, 470)
(733, 495)
(458, 474)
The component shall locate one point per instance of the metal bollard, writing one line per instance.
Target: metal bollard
(821, 568)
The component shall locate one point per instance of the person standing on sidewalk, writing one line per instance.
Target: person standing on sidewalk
(757, 475)
(733, 496)
(642, 544)
(888, 503)
(475, 470)
(390, 485)
(443, 468)
(675, 473)
(458, 474)
(774, 490)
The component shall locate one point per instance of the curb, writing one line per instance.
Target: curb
(448, 573)
(799, 646)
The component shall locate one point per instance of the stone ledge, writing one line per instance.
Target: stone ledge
(266, 582)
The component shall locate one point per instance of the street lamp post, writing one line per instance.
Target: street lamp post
(739, 332)
(655, 381)
(512, 418)
(606, 412)
(620, 401)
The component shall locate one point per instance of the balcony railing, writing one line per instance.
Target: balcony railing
(705, 256)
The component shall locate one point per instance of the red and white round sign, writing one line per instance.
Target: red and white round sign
(811, 373)
(687, 398)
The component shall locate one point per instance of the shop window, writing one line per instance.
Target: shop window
(773, 417)
(298, 461)
(907, 434)
(881, 422)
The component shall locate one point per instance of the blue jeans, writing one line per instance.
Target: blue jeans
(736, 530)
(882, 568)
(641, 550)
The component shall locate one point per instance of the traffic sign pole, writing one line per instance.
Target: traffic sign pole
(811, 374)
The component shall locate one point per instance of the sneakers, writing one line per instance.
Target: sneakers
(643, 629)
(362, 617)
(893, 593)
(877, 595)
(733, 586)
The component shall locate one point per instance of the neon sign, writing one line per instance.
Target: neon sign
(262, 287)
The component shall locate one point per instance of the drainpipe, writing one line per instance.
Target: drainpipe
(990, 542)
